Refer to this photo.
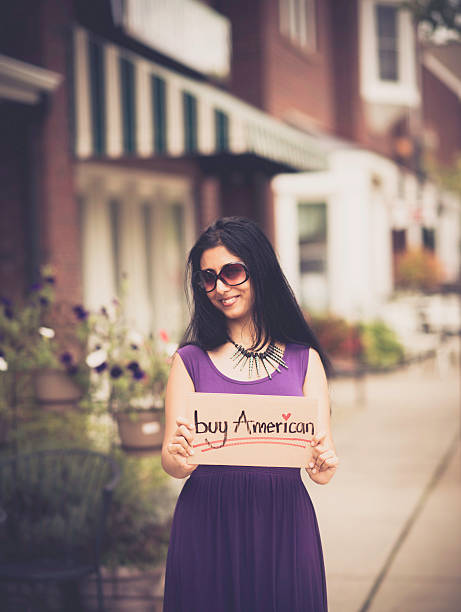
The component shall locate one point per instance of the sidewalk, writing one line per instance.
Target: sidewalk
(390, 448)
(426, 573)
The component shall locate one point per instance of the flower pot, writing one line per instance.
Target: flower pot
(140, 430)
(55, 390)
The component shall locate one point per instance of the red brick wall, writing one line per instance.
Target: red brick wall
(345, 34)
(40, 33)
(14, 178)
(246, 80)
(442, 116)
(274, 74)
(297, 81)
(61, 232)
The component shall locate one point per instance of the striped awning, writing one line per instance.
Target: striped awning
(127, 105)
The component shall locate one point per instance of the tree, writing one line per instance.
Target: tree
(436, 13)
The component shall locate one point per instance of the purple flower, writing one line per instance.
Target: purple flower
(101, 367)
(133, 366)
(2, 354)
(50, 280)
(80, 312)
(135, 347)
(5, 301)
(66, 358)
(116, 371)
(72, 370)
(44, 301)
(104, 311)
(36, 287)
(8, 312)
(138, 374)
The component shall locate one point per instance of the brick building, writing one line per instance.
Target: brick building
(120, 140)
(128, 126)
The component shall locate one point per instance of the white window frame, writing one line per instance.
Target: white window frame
(298, 22)
(405, 90)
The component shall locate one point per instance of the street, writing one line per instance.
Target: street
(390, 517)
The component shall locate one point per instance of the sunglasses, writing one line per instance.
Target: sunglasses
(231, 274)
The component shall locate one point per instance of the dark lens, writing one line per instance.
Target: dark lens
(207, 279)
(234, 274)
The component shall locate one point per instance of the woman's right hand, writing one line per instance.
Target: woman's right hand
(180, 445)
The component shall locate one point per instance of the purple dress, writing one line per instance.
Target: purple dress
(245, 539)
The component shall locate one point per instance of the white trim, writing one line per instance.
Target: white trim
(403, 92)
(237, 134)
(174, 117)
(144, 132)
(114, 143)
(444, 75)
(18, 94)
(205, 127)
(23, 82)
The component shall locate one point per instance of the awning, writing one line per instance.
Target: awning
(23, 82)
(127, 105)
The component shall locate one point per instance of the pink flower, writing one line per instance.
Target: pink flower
(163, 335)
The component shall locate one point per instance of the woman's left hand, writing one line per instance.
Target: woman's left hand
(324, 462)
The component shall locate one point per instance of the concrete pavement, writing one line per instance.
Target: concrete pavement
(390, 518)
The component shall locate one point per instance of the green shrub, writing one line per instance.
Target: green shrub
(139, 522)
(381, 346)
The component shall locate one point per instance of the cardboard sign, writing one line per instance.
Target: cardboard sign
(254, 430)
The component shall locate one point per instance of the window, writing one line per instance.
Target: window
(298, 22)
(139, 224)
(387, 41)
(312, 241)
(429, 239)
(399, 241)
(388, 73)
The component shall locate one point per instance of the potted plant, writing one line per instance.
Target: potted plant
(137, 535)
(130, 371)
(33, 357)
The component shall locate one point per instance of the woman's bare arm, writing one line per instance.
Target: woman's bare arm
(178, 431)
(324, 461)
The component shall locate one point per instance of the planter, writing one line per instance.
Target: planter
(56, 391)
(140, 430)
(126, 589)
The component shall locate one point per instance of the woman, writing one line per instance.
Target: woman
(244, 539)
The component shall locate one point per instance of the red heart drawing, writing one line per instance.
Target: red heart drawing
(286, 416)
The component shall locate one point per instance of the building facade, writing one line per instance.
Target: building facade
(128, 126)
(129, 142)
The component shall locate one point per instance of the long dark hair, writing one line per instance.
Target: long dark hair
(276, 313)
